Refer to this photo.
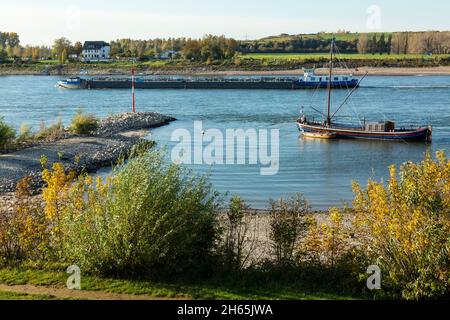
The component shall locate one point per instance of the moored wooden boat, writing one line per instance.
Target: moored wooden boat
(385, 130)
(422, 134)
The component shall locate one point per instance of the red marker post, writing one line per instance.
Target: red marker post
(132, 91)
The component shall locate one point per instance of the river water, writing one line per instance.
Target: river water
(321, 170)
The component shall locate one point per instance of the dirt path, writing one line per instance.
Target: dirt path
(61, 293)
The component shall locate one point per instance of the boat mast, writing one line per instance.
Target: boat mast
(328, 123)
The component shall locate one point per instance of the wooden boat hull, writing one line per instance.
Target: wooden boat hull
(319, 135)
(423, 134)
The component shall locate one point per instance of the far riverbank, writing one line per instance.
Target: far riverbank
(104, 70)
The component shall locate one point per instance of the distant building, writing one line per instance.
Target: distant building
(96, 51)
(168, 54)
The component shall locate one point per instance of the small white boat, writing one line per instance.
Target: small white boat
(71, 83)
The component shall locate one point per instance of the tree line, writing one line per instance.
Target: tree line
(432, 42)
(219, 48)
(208, 48)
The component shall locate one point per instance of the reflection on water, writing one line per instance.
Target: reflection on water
(321, 169)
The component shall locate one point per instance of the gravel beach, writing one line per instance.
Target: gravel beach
(115, 137)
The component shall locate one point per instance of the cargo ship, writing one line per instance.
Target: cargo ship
(308, 81)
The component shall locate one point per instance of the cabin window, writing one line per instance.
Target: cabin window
(370, 127)
(320, 79)
(345, 78)
(313, 79)
(336, 79)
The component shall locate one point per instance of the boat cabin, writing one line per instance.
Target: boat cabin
(311, 76)
(387, 126)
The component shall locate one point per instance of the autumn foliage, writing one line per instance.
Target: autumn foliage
(405, 227)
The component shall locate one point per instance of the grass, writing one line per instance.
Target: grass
(323, 36)
(300, 56)
(5, 295)
(206, 290)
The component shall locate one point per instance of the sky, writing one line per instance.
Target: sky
(40, 22)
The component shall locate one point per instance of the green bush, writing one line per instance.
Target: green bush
(84, 124)
(148, 219)
(238, 241)
(7, 134)
(288, 224)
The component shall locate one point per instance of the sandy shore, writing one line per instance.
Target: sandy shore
(372, 71)
(442, 71)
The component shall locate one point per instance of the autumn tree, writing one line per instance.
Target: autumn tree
(60, 45)
(78, 48)
(363, 44)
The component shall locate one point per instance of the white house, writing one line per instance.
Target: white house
(96, 51)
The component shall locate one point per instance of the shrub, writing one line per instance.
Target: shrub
(238, 242)
(407, 227)
(326, 244)
(25, 133)
(54, 132)
(7, 134)
(55, 194)
(288, 225)
(84, 124)
(147, 219)
(23, 227)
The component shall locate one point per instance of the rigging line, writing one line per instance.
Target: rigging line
(318, 111)
(315, 93)
(349, 95)
(348, 90)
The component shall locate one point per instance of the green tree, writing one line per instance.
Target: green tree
(3, 55)
(78, 48)
(389, 44)
(3, 40)
(13, 39)
(373, 44)
(382, 44)
(60, 45)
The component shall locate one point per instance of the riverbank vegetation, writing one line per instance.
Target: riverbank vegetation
(82, 124)
(284, 52)
(155, 228)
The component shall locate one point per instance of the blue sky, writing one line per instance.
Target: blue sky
(39, 22)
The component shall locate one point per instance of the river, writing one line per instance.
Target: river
(321, 170)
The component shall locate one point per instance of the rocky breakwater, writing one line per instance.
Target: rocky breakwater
(114, 139)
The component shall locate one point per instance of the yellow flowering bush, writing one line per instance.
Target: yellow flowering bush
(326, 243)
(23, 227)
(406, 227)
(55, 195)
